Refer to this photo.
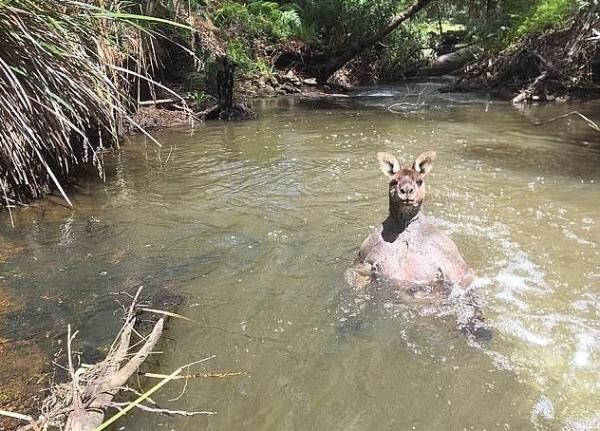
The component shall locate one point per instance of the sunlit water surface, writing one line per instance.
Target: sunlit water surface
(253, 224)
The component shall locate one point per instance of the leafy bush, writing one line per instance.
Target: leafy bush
(545, 14)
(239, 53)
(259, 18)
(335, 22)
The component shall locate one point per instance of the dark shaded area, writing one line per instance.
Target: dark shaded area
(226, 109)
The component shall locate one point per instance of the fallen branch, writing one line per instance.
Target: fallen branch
(163, 411)
(592, 124)
(81, 404)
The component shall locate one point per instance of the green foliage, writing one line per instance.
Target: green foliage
(335, 22)
(200, 97)
(543, 15)
(260, 18)
(405, 46)
(240, 54)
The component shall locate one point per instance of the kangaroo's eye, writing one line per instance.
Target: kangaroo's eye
(393, 183)
(419, 182)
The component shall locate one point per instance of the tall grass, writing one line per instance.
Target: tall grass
(65, 71)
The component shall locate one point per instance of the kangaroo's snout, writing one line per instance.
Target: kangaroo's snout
(407, 190)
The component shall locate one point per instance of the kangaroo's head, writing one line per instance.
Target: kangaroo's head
(407, 185)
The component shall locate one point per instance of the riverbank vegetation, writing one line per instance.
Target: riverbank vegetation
(66, 87)
(73, 75)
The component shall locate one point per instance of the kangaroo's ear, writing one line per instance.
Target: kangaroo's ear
(389, 164)
(424, 162)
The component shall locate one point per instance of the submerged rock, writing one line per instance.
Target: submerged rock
(20, 380)
(7, 302)
(8, 249)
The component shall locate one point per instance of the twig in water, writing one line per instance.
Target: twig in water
(146, 394)
(168, 313)
(169, 156)
(592, 124)
(12, 221)
(197, 375)
(163, 411)
(185, 384)
(76, 394)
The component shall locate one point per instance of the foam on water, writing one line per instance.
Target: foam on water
(551, 349)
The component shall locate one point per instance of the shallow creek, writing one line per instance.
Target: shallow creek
(250, 227)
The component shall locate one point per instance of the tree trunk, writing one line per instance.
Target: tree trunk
(225, 108)
(323, 66)
(225, 78)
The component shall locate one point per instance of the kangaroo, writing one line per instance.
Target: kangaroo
(406, 250)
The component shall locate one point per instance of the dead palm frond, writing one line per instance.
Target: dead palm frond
(65, 77)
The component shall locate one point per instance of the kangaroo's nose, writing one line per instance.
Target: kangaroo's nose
(407, 190)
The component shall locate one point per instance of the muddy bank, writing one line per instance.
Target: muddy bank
(247, 88)
(23, 368)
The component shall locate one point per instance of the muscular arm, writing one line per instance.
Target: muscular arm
(360, 274)
(450, 262)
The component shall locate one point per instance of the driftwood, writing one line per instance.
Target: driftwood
(592, 124)
(81, 404)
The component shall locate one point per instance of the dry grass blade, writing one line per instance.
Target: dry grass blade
(67, 69)
(148, 393)
(54, 95)
(168, 313)
(197, 375)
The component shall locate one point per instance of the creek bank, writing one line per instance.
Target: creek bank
(247, 87)
(558, 64)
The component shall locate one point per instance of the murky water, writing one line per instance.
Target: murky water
(254, 225)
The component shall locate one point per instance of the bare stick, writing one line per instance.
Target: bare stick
(589, 122)
(197, 375)
(12, 221)
(157, 102)
(76, 395)
(164, 411)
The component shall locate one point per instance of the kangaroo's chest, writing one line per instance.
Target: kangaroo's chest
(403, 259)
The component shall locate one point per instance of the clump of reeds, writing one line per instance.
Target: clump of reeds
(54, 95)
(64, 70)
